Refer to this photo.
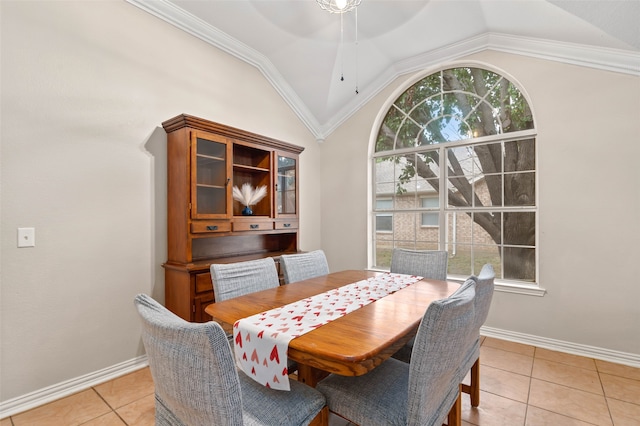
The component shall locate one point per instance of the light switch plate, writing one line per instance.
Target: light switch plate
(26, 237)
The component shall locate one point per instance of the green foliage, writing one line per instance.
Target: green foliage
(461, 104)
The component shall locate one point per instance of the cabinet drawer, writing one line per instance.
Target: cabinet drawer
(203, 283)
(253, 225)
(211, 226)
(286, 224)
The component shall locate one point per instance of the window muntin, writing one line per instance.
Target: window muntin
(478, 126)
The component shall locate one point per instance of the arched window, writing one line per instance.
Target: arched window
(454, 168)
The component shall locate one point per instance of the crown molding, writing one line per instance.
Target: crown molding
(615, 60)
(621, 61)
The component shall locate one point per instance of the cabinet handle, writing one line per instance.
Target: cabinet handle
(212, 228)
(286, 225)
(254, 226)
(227, 182)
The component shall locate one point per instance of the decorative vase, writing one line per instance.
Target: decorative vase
(247, 211)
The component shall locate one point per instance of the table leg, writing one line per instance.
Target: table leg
(309, 375)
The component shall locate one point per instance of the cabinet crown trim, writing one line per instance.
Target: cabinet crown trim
(185, 120)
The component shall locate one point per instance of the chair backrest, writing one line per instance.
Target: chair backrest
(298, 267)
(438, 349)
(430, 264)
(484, 294)
(237, 279)
(193, 370)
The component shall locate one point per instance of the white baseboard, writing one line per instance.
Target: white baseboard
(626, 358)
(69, 387)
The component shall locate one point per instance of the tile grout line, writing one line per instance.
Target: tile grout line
(108, 405)
(604, 393)
(526, 410)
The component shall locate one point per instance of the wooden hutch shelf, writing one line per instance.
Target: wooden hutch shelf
(205, 225)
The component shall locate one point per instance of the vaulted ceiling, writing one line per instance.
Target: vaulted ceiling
(303, 52)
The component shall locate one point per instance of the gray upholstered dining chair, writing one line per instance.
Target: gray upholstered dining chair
(471, 361)
(196, 381)
(431, 264)
(422, 392)
(237, 279)
(300, 266)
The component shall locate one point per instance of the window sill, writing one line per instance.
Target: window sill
(519, 288)
(529, 290)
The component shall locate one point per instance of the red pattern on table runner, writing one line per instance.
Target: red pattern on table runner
(261, 340)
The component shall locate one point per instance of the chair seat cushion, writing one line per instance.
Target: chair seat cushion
(264, 406)
(376, 398)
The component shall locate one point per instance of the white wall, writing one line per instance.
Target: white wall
(589, 186)
(85, 88)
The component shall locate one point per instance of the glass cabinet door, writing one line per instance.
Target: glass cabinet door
(286, 185)
(210, 177)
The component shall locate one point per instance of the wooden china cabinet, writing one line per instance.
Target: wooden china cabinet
(205, 224)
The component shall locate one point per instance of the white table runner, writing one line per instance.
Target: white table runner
(261, 341)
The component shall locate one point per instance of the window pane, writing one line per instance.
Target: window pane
(383, 254)
(487, 228)
(519, 156)
(519, 263)
(519, 228)
(430, 202)
(404, 225)
(459, 228)
(445, 129)
(452, 127)
(407, 135)
(460, 260)
(430, 219)
(461, 162)
(384, 204)
(483, 254)
(488, 158)
(384, 172)
(487, 191)
(384, 222)
(520, 189)
(427, 232)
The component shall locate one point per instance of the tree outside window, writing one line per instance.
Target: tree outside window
(455, 154)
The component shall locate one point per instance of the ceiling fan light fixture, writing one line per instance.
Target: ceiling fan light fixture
(338, 6)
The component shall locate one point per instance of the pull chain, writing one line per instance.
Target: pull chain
(357, 51)
(341, 47)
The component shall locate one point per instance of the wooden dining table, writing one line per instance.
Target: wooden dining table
(353, 344)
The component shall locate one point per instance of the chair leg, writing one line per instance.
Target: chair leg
(473, 389)
(322, 418)
(455, 414)
(475, 383)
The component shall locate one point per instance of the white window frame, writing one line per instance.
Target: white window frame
(517, 287)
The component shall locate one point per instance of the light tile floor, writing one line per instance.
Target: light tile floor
(520, 385)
